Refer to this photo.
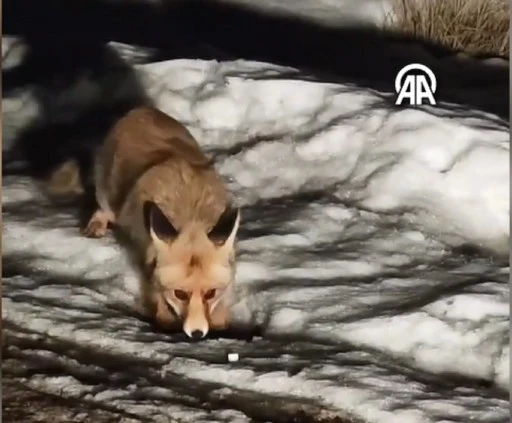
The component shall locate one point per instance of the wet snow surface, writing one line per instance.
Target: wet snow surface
(353, 295)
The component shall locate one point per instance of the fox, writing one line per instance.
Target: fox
(155, 185)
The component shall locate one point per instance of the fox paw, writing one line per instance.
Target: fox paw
(98, 224)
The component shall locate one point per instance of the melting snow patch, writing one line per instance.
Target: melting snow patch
(342, 263)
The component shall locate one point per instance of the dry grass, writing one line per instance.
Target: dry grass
(476, 27)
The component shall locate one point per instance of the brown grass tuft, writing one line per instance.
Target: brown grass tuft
(476, 27)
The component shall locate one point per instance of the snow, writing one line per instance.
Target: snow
(233, 357)
(452, 174)
(352, 212)
(327, 12)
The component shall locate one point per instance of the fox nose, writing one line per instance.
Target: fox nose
(197, 334)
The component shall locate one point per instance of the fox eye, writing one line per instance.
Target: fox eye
(181, 295)
(210, 294)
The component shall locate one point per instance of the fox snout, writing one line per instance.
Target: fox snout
(196, 322)
(200, 311)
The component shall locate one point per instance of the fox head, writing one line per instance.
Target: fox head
(194, 267)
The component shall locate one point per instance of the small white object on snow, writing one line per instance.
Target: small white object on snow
(232, 357)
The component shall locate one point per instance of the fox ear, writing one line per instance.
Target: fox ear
(226, 228)
(157, 223)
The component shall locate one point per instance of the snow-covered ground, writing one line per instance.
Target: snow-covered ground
(349, 264)
(331, 12)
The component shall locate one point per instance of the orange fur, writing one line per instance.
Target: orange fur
(154, 182)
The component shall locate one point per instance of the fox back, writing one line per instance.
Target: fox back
(167, 197)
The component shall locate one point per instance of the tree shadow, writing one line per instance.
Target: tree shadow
(81, 85)
(79, 89)
(214, 30)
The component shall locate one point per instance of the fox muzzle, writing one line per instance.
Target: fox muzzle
(196, 323)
